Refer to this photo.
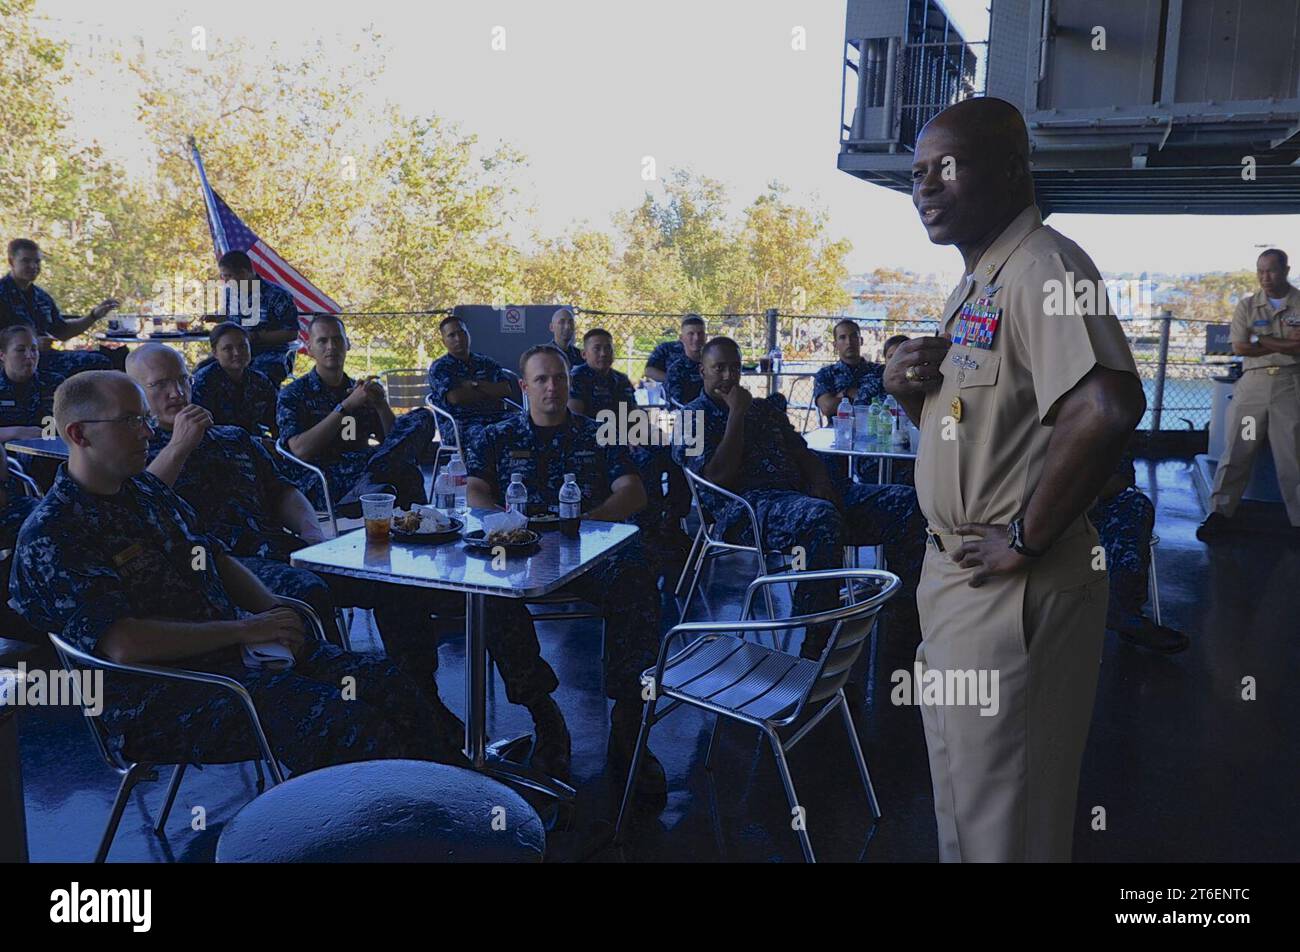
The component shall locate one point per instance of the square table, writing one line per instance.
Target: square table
(822, 440)
(554, 562)
(53, 448)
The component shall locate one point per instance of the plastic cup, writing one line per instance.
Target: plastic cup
(377, 510)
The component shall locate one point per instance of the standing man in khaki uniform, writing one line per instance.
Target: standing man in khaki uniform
(1025, 406)
(1266, 400)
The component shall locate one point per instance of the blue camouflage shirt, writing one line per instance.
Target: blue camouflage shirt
(34, 308)
(85, 561)
(249, 404)
(768, 459)
(448, 372)
(543, 456)
(308, 400)
(28, 404)
(570, 352)
(869, 378)
(600, 391)
(233, 484)
(276, 311)
(684, 380)
(664, 354)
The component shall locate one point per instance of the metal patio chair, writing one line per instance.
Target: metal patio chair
(136, 772)
(765, 688)
(707, 545)
(1153, 584)
(406, 388)
(327, 515)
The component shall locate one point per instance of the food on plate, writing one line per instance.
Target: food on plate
(510, 537)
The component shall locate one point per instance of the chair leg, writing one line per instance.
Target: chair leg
(133, 776)
(172, 788)
(695, 580)
(345, 625)
(788, 782)
(713, 742)
(261, 777)
(1154, 587)
(689, 562)
(642, 738)
(858, 756)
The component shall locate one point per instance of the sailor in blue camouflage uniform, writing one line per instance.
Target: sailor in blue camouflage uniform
(594, 387)
(273, 330)
(750, 448)
(26, 388)
(22, 301)
(862, 381)
(328, 419)
(116, 563)
(1124, 517)
(242, 497)
(542, 445)
(562, 337)
(15, 507)
(467, 385)
(690, 337)
(231, 390)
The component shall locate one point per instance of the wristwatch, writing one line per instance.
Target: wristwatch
(338, 408)
(1016, 531)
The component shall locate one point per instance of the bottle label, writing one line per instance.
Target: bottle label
(444, 500)
(570, 510)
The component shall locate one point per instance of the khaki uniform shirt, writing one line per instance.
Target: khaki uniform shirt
(1009, 392)
(1284, 323)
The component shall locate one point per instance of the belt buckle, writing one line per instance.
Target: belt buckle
(935, 540)
(1273, 371)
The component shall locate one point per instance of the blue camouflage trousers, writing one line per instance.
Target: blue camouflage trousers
(303, 710)
(1125, 522)
(872, 515)
(396, 461)
(623, 589)
(403, 614)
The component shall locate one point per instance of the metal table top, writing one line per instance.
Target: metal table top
(822, 440)
(555, 562)
(49, 449)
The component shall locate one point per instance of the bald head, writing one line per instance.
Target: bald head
(152, 356)
(970, 174)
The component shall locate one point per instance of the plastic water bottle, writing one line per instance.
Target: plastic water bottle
(444, 492)
(844, 424)
(459, 482)
(885, 426)
(570, 505)
(517, 494)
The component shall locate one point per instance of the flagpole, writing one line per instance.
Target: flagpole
(214, 220)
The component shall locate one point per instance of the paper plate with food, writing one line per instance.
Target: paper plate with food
(509, 530)
(425, 524)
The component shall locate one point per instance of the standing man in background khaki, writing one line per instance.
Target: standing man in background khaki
(1024, 408)
(1266, 400)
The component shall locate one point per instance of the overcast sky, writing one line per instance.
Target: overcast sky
(586, 88)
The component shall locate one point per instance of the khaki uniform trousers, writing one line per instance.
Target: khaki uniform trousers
(1005, 786)
(1274, 402)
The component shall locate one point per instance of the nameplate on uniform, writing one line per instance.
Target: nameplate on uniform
(977, 324)
(127, 554)
(8, 403)
(521, 454)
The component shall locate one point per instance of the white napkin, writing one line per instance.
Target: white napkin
(432, 519)
(270, 654)
(504, 522)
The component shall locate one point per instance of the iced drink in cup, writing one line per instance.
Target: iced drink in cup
(377, 510)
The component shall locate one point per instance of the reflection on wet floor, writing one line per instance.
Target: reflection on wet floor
(1184, 768)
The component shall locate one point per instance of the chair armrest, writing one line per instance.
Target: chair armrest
(282, 447)
(29, 485)
(693, 477)
(307, 612)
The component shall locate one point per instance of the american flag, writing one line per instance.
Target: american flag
(229, 233)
